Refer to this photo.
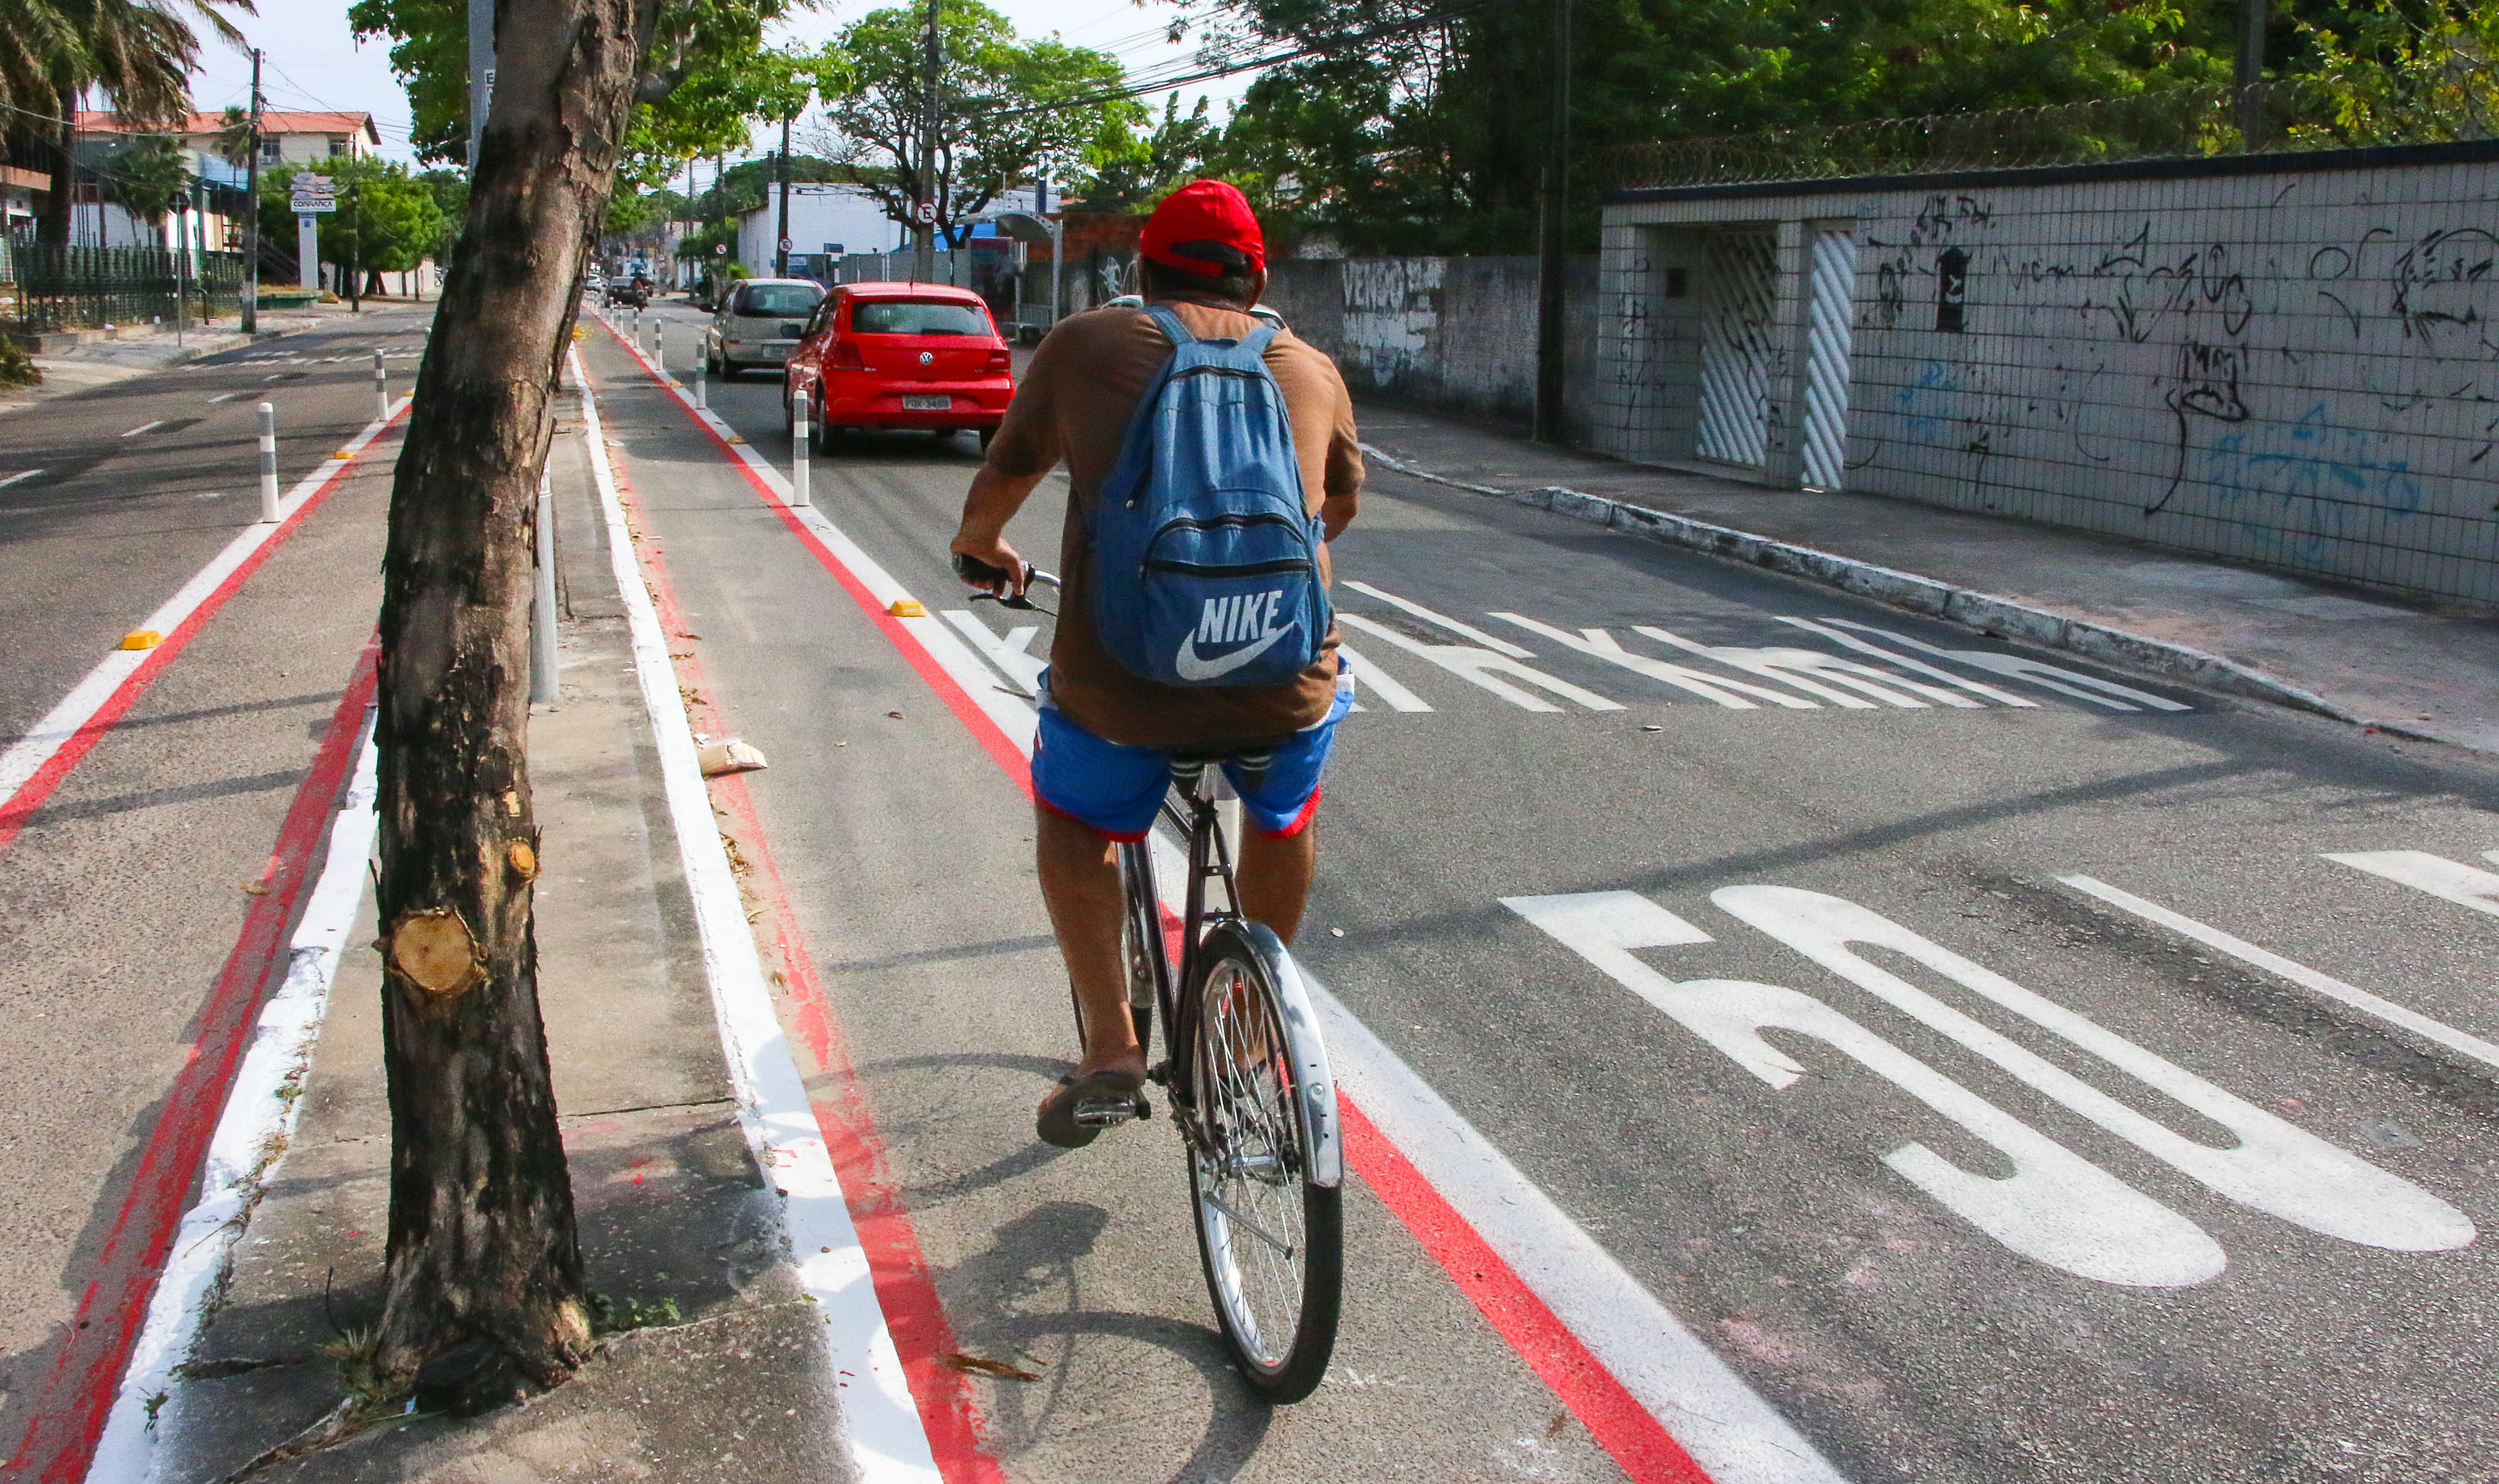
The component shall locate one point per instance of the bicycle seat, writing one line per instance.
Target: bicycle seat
(1251, 757)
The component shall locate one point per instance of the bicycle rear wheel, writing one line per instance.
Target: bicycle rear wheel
(1271, 1237)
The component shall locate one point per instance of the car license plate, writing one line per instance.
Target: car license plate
(927, 403)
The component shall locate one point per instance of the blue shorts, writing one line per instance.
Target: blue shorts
(1116, 788)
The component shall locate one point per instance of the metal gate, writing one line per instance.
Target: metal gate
(1831, 303)
(1738, 292)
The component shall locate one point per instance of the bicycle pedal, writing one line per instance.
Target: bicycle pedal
(1145, 1110)
(1106, 1113)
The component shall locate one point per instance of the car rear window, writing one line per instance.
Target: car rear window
(775, 301)
(917, 316)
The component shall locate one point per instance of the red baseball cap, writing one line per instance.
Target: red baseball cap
(1203, 211)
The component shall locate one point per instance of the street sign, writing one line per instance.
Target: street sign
(308, 193)
(720, 250)
(785, 244)
(303, 206)
(925, 214)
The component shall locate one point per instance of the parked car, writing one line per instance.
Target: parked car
(629, 293)
(759, 324)
(901, 355)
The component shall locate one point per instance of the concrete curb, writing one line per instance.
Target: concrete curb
(1996, 617)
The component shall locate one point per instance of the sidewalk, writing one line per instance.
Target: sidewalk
(712, 1366)
(135, 351)
(2374, 660)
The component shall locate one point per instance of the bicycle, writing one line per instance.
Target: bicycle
(1247, 1080)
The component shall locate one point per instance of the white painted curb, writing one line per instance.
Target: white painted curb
(1994, 616)
(888, 1444)
(243, 1154)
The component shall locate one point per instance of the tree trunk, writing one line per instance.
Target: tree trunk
(485, 1288)
(53, 227)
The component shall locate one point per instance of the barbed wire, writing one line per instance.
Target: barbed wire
(2456, 102)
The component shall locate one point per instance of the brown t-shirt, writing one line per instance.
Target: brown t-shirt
(1073, 404)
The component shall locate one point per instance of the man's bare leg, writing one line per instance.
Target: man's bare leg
(1275, 877)
(1080, 882)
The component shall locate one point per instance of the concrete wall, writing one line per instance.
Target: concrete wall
(2292, 361)
(1442, 335)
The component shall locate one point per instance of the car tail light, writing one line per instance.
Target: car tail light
(847, 353)
(998, 359)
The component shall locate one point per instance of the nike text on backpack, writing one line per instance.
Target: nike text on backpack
(1205, 558)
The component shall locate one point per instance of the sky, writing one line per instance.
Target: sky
(315, 63)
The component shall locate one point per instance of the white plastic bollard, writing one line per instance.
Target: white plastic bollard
(702, 389)
(381, 388)
(660, 350)
(799, 449)
(269, 464)
(546, 685)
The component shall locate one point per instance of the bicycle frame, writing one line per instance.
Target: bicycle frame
(1210, 859)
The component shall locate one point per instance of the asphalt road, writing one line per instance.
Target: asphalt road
(129, 888)
(1840, 1010)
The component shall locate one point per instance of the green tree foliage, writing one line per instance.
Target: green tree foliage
(708, 65)
(2397, 73)
(388, 220)
(1008, 109)
(1155, 164)
(145, 176)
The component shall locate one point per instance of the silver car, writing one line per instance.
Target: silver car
(759, 324)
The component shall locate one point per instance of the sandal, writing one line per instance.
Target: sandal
(1084, 1104)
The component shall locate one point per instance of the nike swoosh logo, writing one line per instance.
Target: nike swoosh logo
(1192, 667)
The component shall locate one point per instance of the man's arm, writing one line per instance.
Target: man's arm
(1343, 491)
(993, 500)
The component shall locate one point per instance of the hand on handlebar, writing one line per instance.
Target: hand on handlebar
(1007, 585)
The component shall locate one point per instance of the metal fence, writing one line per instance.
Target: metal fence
(45, 287)
(2455, 103)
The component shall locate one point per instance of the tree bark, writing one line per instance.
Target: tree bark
(52, 226)
(484, 1283)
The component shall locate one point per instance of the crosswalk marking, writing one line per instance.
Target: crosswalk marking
(1368, 676)
(1816, 673)
(2436, 875)
(1012, 654)
(2073, 683)
(1913, 665)
(1598, 644)
(2421, 1025)
(1443, 621)
(1481, 666)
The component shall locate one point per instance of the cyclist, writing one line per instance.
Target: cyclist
(1107, 736)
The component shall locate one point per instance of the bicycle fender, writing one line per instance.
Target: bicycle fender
(1321, 1133)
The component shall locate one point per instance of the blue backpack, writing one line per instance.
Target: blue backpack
(1205, 560)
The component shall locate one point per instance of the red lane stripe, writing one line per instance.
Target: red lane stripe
(897, 1270)
(76, 1398)
(1611, 1414)
(1624, 1427)
(30, 795)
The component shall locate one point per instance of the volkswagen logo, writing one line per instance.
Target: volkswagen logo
(928, 358)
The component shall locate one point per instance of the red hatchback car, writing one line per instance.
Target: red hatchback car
(901, 355)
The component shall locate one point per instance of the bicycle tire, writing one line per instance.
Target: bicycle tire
(1252, 1175)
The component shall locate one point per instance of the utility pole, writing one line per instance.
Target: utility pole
(1557, 190)
(781, 233)
(355, 250)
(2246, 80)
(481, 74)
(251, 216)
(925, 190)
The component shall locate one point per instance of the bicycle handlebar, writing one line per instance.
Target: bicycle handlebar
(992, 579)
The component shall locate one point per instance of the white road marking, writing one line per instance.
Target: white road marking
(2056, 1207)
(886, 1442)
(259, 1117)
(1816, 673)
(1915, 666)
(2421, 1025)
(1443, 621)
(13, 478)
(27, 756)
(1598, 644)
(2276, 1166)
(1479, 666)
(2065, 682)
(1010, 654)
(2439, 877)
(1711, 1411)
(225, 396)
(1368, 676)
(143, 427)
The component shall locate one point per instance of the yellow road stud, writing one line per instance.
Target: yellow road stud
(142, 638)
(907, 607)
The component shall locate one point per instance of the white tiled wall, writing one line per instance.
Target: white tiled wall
(2297, 368)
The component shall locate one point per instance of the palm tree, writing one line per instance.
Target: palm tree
(138, 53)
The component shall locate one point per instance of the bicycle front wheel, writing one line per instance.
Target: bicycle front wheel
(1270, 1233)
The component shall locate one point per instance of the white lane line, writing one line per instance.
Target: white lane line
(1368, 676)
(2057, 678)
(26, 757)
(1739, 1437)
(243, 1154)
(1816, 673)
(1012, 655)
(143, 427)
(1598, 644)
(1916, 667)
(13, 478)
(1482, 667)
(2387, 1010)
(1443, 621)
(882, 1426)
(225, 396)
(2439, 877)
